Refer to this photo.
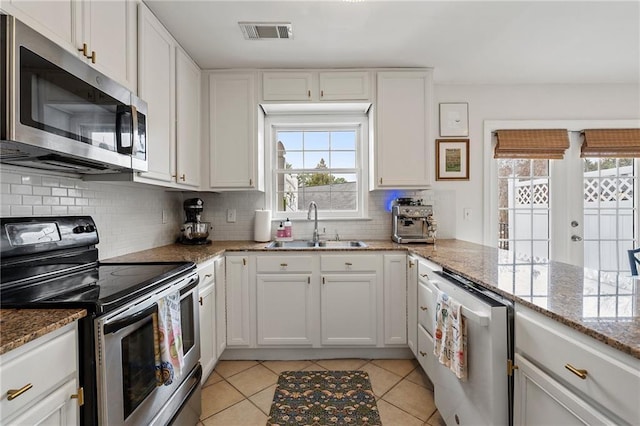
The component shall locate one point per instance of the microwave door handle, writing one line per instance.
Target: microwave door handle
(135, 137)
(127, 321)
(121, 111)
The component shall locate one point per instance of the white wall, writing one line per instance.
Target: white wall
(521, 102)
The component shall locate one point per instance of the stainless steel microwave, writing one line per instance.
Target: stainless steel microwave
(60, 114)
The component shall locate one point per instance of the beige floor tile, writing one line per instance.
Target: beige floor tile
(242, 414)
(229, 368)
(436, 420)
(412, 398)
(381, 379)
(418, 377)
(393, 416)
(341, 364)
(213, 378)
(217, 397)
(280, 366)
(401, 367)
(264, 398)
(253, 380)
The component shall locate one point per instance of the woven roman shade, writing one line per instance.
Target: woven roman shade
(531, 143)
(618, 143)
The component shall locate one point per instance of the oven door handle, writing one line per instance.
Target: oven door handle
(127, 321)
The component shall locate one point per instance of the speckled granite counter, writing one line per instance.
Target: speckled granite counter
(19, 326)
(604, 306)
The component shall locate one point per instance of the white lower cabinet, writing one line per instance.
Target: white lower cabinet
(541, 400)
(425, 355)
(566, 377)
(284, 309)
(47, 368)
(238, 303)
(395, 299)
(221, 311)
(207, 309)
(412, 304)
(348, 309)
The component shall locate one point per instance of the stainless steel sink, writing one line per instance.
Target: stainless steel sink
(303, 244)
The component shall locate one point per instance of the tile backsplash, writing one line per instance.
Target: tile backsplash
(130, 216)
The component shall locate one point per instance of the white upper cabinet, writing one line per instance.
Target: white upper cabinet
(157, 87)
(403, 143)
(107, 28)
(170, 84)
(316, 86)
(236, 132)
(187, 120)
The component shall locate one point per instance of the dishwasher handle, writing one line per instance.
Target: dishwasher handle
(474, 316)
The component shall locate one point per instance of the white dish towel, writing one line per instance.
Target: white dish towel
(450, 335)
(170, 337)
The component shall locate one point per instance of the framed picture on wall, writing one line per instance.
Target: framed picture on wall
(452, 159)
(454, 119)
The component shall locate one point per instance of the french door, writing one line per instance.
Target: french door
(582, 211)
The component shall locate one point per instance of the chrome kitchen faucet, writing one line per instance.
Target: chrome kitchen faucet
(316, 237)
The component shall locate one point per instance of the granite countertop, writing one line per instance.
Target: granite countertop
(602, 305)
(20, 326)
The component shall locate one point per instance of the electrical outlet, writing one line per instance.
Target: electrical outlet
(466, 213)
(231, 215)
(164, 216)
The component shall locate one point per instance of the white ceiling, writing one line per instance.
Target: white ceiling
(464, 41)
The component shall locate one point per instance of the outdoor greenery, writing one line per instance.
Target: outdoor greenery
(318, 179)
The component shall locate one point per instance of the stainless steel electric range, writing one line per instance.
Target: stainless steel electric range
(52, 262)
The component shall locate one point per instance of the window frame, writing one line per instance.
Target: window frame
(322, 122)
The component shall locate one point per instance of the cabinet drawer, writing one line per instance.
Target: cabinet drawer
(426, 306)
(45, 363)
(284, 263)
(426, 270)
(426, 358)
(206, 272)
(346, 262)
(612, 379)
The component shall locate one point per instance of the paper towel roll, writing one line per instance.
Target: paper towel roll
(262, 226)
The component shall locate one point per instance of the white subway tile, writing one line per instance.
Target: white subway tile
(52, 201)
(10, 199)
(74, 210)
(41, 210)
(50, 181)
(17, 210)
(59, 192)
(21, 189)
(58, 210)
(41, 190)
(10, 178)
(67, 201)
(31, 199)
(74, 193)
(5, 188)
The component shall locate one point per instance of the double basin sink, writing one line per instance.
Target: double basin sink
(303, 244)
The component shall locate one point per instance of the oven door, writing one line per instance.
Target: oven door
(128, 391)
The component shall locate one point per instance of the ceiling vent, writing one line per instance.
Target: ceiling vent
(266, 30)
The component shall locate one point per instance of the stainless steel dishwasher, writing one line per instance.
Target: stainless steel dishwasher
(486, 396)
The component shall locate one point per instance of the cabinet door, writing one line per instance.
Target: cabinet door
(344, 86)
(238, 329)
(57, 408)
(156, 84)
(540, 400)
(232, 130)
(412, 305)
(284, 309)
(207, 330)
(55, 20)
(287, 86)
(395, 299)
(110, 30)
(221, 312)
(425, 355)
(403, 142)
(187, 120)
(348, 309)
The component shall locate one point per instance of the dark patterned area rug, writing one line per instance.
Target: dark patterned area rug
(323, 398)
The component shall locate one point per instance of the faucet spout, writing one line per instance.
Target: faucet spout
(316, 236)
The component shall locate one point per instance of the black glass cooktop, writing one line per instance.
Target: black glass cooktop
(99, 289)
